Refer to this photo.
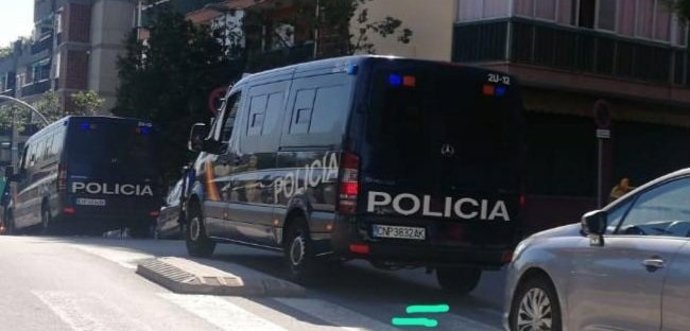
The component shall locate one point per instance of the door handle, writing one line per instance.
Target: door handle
(653, 264)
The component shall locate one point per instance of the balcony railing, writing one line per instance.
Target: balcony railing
(572, 49)
(42, 45)
(36, 88)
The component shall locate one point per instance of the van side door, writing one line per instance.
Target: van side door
(251, 196)
(313, 133)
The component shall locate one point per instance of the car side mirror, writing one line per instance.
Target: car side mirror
(594, 225)
(197, 137)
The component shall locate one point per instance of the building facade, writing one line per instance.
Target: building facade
(569, 55)
(74, 48)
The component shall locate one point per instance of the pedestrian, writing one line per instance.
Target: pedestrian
(620, 189)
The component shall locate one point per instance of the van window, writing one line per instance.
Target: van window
(257, 112)
(232, 107)
(273, 110)
(58, 141)
(329, 108)
(48, 148)
(301, 116)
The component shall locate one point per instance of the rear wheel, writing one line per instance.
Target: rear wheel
(535, 306)
(299, 251)
(458, 280)
(198, 243)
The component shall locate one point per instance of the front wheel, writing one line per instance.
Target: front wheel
(299, 252)
(535, 307)
(458, 280)
(198, 243)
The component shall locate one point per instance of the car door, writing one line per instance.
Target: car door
(218, 171)
(618, 286)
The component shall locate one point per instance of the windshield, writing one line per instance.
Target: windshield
(129, 147)
(432, 120)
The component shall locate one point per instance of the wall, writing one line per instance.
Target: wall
(430, 21)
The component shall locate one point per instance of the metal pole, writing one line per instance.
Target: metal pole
(600, 173)
(316, 29)
(32, 108)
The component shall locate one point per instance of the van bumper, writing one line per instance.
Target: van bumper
(410, 252)
(99, 223)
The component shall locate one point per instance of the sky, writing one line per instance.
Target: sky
(16, 19)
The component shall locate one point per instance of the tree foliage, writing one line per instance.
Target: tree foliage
(168, 81)
(86, 103)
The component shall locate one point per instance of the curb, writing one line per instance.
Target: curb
(188, 277)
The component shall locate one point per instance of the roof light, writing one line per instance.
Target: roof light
(395, 80)
(501, 91)
(352, 69)
(85, 126)
(488, 89)
(409, 81)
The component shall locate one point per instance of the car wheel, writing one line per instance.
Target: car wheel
(198, 243)
(535, 306)
(458, 280)
(299, 251)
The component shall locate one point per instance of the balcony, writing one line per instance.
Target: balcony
(36, 88)
(574, 50)
(42, 45)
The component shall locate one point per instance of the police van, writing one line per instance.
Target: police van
(401, 162)
(86, 175)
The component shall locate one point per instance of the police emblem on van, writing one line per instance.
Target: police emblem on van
(407, 204)
(112, 189)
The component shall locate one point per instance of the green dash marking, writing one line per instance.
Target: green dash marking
(427, 309)
(421, 321)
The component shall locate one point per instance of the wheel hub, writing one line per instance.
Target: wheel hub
(297, 251)
(534, 312)
(194, 229)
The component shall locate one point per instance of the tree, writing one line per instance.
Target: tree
(681, 7)
(86, 103)
(5, 51)
(50, 106)
(168, 80)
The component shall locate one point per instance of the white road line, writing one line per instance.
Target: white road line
(221, 313)
(335, 314)
(88, 312)
(121, 256)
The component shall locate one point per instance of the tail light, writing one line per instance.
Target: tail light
(348, 189)
(62, 178)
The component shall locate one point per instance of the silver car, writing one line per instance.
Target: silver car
(626, 267)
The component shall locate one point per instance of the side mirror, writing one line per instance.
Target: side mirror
(594, 225)
(197, 136)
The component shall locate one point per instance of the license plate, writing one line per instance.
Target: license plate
(90, 202)
(398, 232)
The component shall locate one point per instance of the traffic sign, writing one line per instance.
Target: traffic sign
(603, 133)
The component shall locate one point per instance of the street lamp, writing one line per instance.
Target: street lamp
(15, 135)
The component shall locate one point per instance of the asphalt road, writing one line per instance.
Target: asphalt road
(90, 284)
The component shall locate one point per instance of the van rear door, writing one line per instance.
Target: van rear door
(443, 152)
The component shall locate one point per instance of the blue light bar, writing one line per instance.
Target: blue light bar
(501, 91)
(85, 126)
(395, 80)
(352, 69)
(144, 130)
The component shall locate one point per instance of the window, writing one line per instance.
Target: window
(664, 210)
(645, 18)
(545, 9)
(58, 58)
(586, 14)
(615, 215)
(257, 112)
(626, 19)
(329, 108)
(662, 23)
(469, 10)
(274, 109)
(304, 102)
(48, 148)
(58, 141)
(607, 14)
(232, 106)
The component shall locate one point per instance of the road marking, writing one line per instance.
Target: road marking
(221, 313)
(335, 314)
(88, 312)
(122, 256)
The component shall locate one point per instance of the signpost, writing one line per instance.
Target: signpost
(602, 117)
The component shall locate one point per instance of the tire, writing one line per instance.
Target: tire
(458, 280)
(299, 252)
(47, 226)
(537, 291)
(197, 242)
